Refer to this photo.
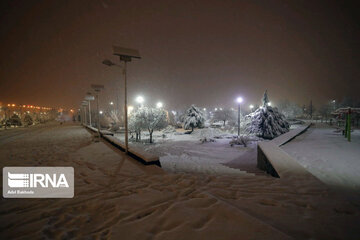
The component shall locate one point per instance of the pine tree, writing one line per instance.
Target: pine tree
(267, 122)
(194, 118)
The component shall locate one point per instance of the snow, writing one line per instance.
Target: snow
(267, 122)
(118, 198)
(329, 156)
(181, 152)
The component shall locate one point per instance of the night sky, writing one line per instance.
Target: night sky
(202, 52)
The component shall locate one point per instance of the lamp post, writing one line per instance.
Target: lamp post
(97, 88)
(89, 97)
(125, 55)
(239, 100)
(84, 104)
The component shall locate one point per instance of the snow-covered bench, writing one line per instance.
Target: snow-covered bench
(273, 160)
(139, 154)
(102, 132)
(276, 162)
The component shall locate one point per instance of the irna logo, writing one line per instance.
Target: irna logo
(38, 182)
(24, 180)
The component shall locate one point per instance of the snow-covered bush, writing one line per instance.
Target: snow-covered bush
(242, 140)
(15, 120)
(267, 122)
(169, 129)
(194, 118)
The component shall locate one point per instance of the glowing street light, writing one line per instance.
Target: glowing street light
(159, 105)
(139, 100)
(251, 107)
(111, 103)
(215, 109)
(101, 112)
(204, 109)
(173, 112)
(239, 100)
(269, 104)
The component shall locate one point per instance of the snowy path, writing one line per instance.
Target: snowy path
(328, 156)
(117, 198)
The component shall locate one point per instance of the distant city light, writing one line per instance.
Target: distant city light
(215, 109)
(239, 99)
(173, 112)
(159, 105)
(251, 106)
(269, 103)
(220, 109)
(204, 109)
(111, 103)
(101, 112)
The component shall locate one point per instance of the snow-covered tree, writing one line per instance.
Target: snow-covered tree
(267, 122)
(28, 120)
(265, 99)
(194, 118)
(150, 119)
(135, 123)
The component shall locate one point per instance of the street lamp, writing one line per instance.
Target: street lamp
(89, 97)
(111, 103)
(125, 55)
(239, 100)
(97, 88)
(159, 105)
(84, 104)
(251, 107)
(269, 104)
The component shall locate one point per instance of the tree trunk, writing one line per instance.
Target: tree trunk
(151, 132)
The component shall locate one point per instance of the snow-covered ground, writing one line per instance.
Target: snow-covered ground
(118, 198)
(329, 156)
(181, 152)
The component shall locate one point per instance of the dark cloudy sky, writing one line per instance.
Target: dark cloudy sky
(202, 52)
